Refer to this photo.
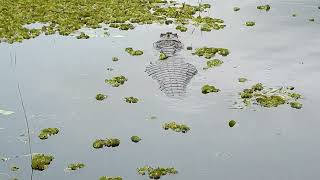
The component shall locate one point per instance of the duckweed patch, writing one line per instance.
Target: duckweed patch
(131, 99)
(232, 123)
(101, 97)
(176, 127)
(135, 139)
(209, 89)
(116, 81)
(250, 23)
(133, 52)
(163, 56)
(41, 162)
(264, 7)
(68, 17)
(242, 80)
(100, 143)
(75, 166)
(181, 28)
(110, 178)
(270, 97)
(209, 52)
(156, 173)
(45, 133)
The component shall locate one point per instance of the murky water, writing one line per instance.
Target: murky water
(59, 77)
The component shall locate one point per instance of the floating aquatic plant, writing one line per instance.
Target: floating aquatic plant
(115, 59)
(270, 97)
(236, 9)
(209, 52)
(163, 56)
(14, 168)
(116, 81)
(242, 80)
(181, 28)
(75, 166)
(176, 127)
(213, 63)
(133, 52)
(82, 36)
(156, 173)
(209, 89)
(264, 7)
(250, 23)
(110, 178)
(101, 97)
(100, 143)
(135, 139)
(208, 23)
(41, 161)
(45, 133)
(232, 123)
(131, 99)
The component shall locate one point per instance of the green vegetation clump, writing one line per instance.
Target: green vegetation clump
(264, 7)
(209, 52)
(101, 97)
(209, 89)
(100, 143)
(131, 99)
(232, 123)
(236, 9)
(214, 63)
(176, 127)
(208, 23)
(75, 166)
(181, 28)
(270, 97)
(135, 139)
(41, 162)
(68, 17)
(163, 56)
(133, 52)
(15, 168)
(242, 80)
(115, 59)
(82, 35)
(45, 133)
(156, 173)
(110, 178)
(116, 81)
(296, 105)
(250, 23)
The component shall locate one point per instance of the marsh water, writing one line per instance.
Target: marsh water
(60, 76)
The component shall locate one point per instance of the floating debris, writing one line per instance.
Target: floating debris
(156, 173)
(213, 63)
(100, 143)
(15, 168)
(250, 23)
(131, 99)
(135, 139)
(209, 89)
(232, 123)
(311, 19)
(133, 52)
(101, 97)
(242, 80)
(264, 7)
(270, 97)
(163, 56)
(41, 162)
(75, 166)
(45, 133)
(116, 81)
(209, 52)
(115, 59)
(176, 127)
(181, 28)
(110, 178)
(236, 9)
(294, 15)
(82, 36)
(6, 113)
(189, 48)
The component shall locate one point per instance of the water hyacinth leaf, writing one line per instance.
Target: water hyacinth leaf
(163, 56)
(232, 123)
(109, 142)
(41, 162)
(116, 81)
(264, 7)
(209, 52)
(101, 97)
(156, 173)
(135, 139)
(209, 89)
(296, 105)
(214, 63)
(133, 52)
(250, 23)
(110, 178)
(181, 28)
(45, 133)
(131, 99)
(176, 127)
(75, 166)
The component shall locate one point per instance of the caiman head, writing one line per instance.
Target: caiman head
(169, 43)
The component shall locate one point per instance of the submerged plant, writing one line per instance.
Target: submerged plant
(176, 127)
(209, 52)
(45, 133)
(264, 7)
(75, 166)
(101, 97)
(181, 28)
(250, 23)
(209, 89)
(133, 52)
(100, 143)
(156, 173)
(110, 178)
(131, 99)
(163, 56)
(232, 123)
(135, 139)
(116, 81)
(41, 161)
